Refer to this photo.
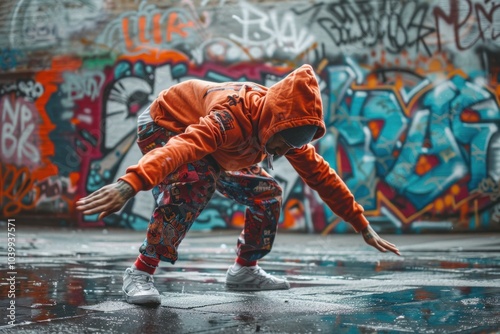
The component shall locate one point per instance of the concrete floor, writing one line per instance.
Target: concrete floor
(69, 281)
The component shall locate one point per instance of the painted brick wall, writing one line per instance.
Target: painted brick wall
(410, 88)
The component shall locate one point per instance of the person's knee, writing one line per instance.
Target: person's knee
(207, 170)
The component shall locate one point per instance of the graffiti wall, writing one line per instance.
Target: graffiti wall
(410, 91)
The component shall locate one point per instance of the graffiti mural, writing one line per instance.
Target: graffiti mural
(410, 145)
(410, 90)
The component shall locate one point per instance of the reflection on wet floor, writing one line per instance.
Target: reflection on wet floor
(418, 293)
(333, 291)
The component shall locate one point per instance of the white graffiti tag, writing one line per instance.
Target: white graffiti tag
(18, 125)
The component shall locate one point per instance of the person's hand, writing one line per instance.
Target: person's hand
(373, 239)
(106, 200)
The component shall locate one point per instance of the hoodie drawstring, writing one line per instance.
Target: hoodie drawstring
(270, 161)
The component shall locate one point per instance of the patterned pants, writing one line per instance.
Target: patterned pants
(182, 196)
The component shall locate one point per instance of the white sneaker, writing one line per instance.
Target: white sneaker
(253, 279)
(138, 287)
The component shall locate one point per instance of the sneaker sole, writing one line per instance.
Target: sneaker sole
(142, 300)
(246, 287)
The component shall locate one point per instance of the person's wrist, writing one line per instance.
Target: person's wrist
(367, 232)
(126, 191)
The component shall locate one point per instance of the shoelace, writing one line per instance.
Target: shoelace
(144, 281)
(270, 158)
(270, 161)
(259, 271)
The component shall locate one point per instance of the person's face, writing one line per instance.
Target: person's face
(277, 145)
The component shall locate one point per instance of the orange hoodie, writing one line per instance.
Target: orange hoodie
(232, 122)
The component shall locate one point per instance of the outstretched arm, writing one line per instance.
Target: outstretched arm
(334, 192)
(106, 200)
(373, 239)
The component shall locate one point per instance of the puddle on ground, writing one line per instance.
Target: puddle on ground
(419, 292)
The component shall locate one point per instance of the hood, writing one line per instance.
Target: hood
(292, 102)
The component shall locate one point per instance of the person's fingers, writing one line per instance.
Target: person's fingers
(103, 201)
(103, 210)
(390, 247)
(93, 207)
(380, 248)
(98, 206)
(92, 211)
(394, 250)
(90, 197)
(389, 243)
(82, 204)
(384, 246)
(106, 213)
(82, 201)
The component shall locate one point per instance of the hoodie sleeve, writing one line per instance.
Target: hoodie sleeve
(196, 142)
(317, 174)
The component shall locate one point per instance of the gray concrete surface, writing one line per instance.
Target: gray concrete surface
(69, 281)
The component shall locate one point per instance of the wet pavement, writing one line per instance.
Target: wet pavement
(69, 281)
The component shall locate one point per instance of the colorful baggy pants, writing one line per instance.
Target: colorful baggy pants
(183, 194)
